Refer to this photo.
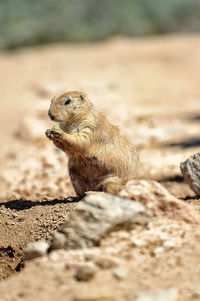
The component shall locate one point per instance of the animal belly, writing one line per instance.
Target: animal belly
(85, 174)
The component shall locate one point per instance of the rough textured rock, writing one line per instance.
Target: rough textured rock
(35, 249)
(86, 272)
(165, 294)
(191, 172)
(96, 215)
(157, 199)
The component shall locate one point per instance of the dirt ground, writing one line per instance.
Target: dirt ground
(150, 88)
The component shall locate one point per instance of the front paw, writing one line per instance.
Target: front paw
(53, 134)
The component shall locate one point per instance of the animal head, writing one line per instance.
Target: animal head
(68, 105)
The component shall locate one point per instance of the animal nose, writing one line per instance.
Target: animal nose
(51, 115)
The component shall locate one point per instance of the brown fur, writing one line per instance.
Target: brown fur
(100, 157)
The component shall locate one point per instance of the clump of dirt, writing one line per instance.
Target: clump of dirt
(156, 102)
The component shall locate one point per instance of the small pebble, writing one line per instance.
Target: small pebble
(86, 272)
(169, 244)
(89, 256)
(159, 250)
(35, 249)
(106, 262)
(120, 273)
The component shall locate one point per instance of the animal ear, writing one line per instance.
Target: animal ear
(82, 96)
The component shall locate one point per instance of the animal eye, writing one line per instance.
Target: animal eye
(67, 101)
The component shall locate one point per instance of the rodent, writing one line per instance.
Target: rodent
(101, 158)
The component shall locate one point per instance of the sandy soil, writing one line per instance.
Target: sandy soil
(150, 88)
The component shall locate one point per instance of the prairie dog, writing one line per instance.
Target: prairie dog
(100, 157)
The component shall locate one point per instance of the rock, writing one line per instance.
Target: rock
(106, 262)
(35, 249)
(191, 172)
(59, 241)
(165, 294)
(95, 216)
(86, 272)
(120, 273)
(157, 199)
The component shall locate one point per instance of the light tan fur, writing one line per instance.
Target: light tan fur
(100, 157)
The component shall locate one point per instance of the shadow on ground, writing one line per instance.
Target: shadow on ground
(187, 143)
(26, 204)
(176, 178)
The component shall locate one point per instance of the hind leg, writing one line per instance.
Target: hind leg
(111, 185)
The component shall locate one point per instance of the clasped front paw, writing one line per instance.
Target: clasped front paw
(53, 134)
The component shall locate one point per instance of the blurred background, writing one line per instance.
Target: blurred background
(26, 22)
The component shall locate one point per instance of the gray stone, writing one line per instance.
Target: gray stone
(95, 216)
(191, 172)
(120, 273)
(35, 249)
(86, 272)
(165, 294)
(157, 199)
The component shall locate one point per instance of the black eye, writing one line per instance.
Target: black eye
(67, 101)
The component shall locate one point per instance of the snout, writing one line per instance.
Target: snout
(51, 115)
